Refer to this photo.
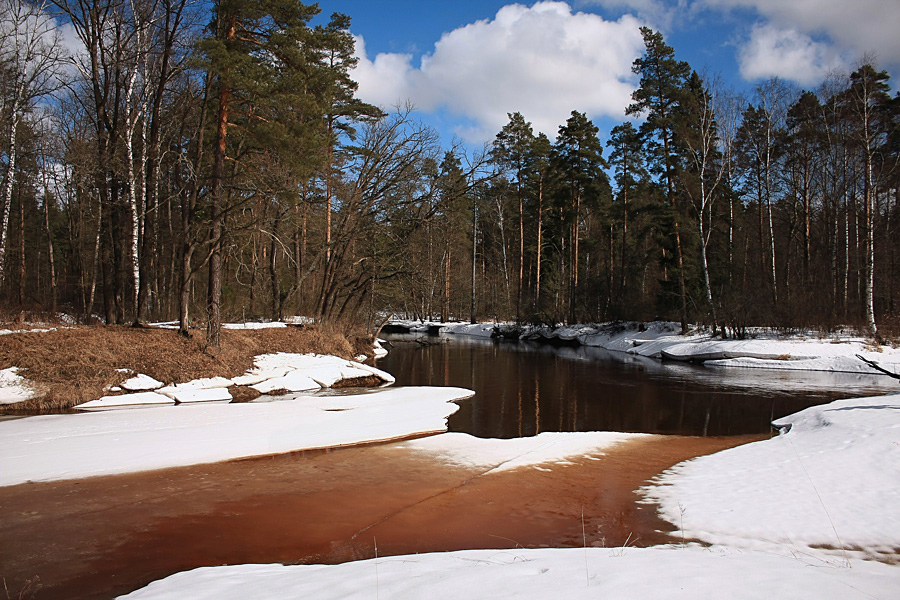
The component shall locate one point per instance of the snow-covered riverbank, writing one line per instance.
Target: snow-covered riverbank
(56, 447)
(573, 573)
(808, 351)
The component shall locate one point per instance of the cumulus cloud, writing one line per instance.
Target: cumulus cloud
(543, 61)
(857, 26)
(785, 53)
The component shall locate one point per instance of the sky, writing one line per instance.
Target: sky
(465, 64)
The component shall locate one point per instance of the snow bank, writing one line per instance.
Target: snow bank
(801, 352)
(833, 480)
(501, 455)
(13, 387)
(104, 443)
(639, 573)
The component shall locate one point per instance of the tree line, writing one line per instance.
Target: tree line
(777, 209)
(196, 162)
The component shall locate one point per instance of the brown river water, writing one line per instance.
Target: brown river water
(105, 536)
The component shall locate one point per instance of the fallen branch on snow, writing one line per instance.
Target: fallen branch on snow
(878, 367)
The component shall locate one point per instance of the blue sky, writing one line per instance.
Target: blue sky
(465, 64)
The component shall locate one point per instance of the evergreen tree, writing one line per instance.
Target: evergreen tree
(803, 145)
(657, 98)
(261, 55)
(511, 150)
(629, 169)
(538, 182)
(579, 166)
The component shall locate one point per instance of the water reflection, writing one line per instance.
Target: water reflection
(524, 389)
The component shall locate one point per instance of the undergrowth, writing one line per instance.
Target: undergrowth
(77, 364)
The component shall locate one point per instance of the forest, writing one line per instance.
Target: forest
(197, 163)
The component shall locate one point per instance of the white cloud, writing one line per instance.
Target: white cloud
(856, 26)
(543, 61)
(785, 53)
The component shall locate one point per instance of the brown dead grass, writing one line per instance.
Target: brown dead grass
(71, 366)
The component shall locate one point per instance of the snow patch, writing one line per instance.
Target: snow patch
(832, 480)
(141, 383)
(505, 454)
(53, 447)
(127, 400)
(13, 387)
(537, 574)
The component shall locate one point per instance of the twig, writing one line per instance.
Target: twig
(376, 566)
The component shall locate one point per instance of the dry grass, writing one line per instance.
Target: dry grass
(71, 366)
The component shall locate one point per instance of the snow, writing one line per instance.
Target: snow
(53, 447)
(804, 351)
(141, 382)
(502, 455)
(13, 387)
(270, 372)
(206, 383)
(539, 574)
(294, 381)
(34, 330)
(833, 480)
(127, 401)
(255, 325)
(202, 395)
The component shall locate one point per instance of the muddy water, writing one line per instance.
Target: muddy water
(100, 537)
(524, 389)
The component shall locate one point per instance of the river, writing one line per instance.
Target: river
(523, 388)
(104, 536)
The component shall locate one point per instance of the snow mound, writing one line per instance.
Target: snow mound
(831, 481)
(505, 454)
(13, 387)
(573, 573)
(140, 383)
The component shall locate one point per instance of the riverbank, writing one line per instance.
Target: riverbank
(50, 368)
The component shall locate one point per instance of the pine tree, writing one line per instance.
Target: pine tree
(626, 160)
(511, 150)
(579, 165)
(261, 55)
(657, 98)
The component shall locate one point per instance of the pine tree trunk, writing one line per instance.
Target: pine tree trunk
(214, 289)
